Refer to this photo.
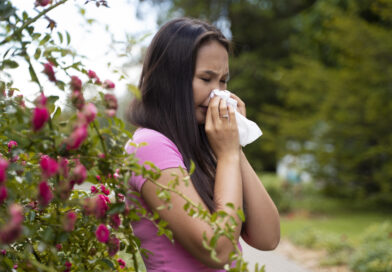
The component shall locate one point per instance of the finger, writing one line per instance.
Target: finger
(223, 112)
(213, 108)
(240, 104)
(232, 118)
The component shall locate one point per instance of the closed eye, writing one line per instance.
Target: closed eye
(206, 79)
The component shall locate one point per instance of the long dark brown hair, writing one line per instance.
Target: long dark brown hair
(166, 103)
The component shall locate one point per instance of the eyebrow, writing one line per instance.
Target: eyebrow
(212, 73)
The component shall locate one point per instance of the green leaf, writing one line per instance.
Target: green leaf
(37, 53)
(57, 113)
(60, 37)
(10, 64)
(32, 75)
(108, 263)
(52, 99)
(241, 215)
(44, 40)
(134, 90)
(116, 208)
(68, 38)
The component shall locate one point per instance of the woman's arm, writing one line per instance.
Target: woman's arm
(262, 227)
(188, 231)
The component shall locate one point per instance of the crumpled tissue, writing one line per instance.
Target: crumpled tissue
(248, 130)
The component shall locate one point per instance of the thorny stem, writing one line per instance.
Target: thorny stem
(30, 21)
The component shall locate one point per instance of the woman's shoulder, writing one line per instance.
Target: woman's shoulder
(151, 145)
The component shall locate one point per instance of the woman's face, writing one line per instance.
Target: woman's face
(211, 72)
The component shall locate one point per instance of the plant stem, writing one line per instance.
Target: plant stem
(100, 138)
(30, 21)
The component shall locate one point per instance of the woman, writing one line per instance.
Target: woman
(186, 60)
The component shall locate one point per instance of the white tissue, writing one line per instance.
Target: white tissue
(248, 130)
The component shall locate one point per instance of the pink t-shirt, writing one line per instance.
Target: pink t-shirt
(165, 255)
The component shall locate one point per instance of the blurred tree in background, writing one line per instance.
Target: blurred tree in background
(317, 77)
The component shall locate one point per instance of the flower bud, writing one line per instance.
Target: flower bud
(3, 168)
(89, 112)
(78, 174)
(115, 221)
(104, 190)
(3, 194)
(11, 144)
(100, 207)
(93, 189)
(48, 70)
(49, 166)
(69, 221)
(77, 99)
(102, 233)
(108, 84)
(113, 245)
(45, 194)
(121, 263)
(42, 3)
(110, 102)
(77, 137)
(40, 117)
(13, 228)
(76, 83)
(91, 74)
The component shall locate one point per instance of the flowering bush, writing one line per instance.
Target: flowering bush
(47, 222)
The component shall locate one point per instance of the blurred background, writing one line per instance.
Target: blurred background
(316, 75)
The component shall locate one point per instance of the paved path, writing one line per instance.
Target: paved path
(273, 261)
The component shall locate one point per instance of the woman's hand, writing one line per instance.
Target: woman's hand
(240, 104)
(221, 128)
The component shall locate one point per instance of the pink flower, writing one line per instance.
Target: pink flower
(110, 101)
(101, 155)
(105, 190)
(45, 194)
(13, 228)
(98, 177)
(90, 112)
(78, 174)
(64, 167)
(121, 263)
(93, 189)
(120, 197)
(40, 117)
(11, 144)
(102, 233)
(77, 137)
(48, 70)
(49, 166)
(3, 194)
(100, 207)
(91, 74)
(3, 168)
(108, 84)
(113, 245)
(40, 101)
(115, 221)
(68, 266)
(59, 247)
(15, 266)
(69, 221)
(77, 99)
(3, 252)
(76, 83)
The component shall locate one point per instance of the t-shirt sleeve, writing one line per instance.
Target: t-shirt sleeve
(159, 150)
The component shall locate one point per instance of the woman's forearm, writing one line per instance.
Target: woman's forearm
(262, 226)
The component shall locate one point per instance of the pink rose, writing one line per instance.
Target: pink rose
(49, 166)
(108, 84)
(48, 70)
(77, 137)
(69, 221)
(11, 144)
(93, 189)
(115, 221)
(40, 101)
(3, 168)
(40, 117)
(105, 190)
(100, 207)
(77, 99)
(89, 112)
(121, 263)
(68, 266)
(13, 228)
(78, 174)
(102, 233)
(45, 194)
(3, 194)
(3, 252)
(91, 74)
(113, 245)
(110, 102)
(76, 83)
(64, 167)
